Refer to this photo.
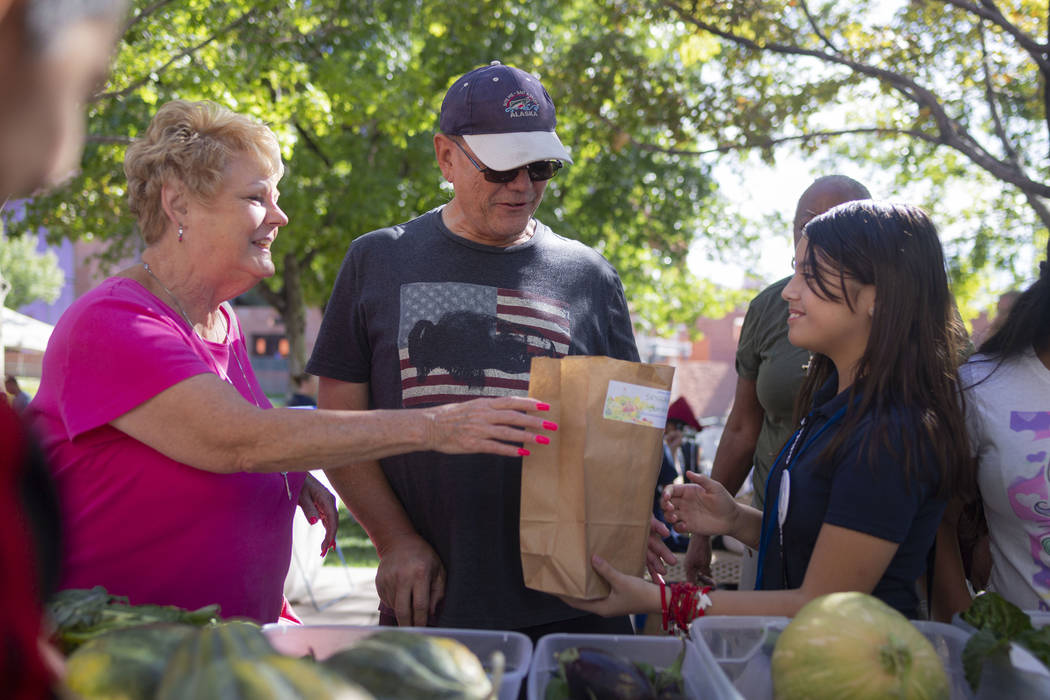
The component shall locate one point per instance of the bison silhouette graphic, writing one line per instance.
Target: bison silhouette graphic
(466, 343)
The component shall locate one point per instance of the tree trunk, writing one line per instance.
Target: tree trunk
(294, 316)
(1046, 85)
(1040, 208)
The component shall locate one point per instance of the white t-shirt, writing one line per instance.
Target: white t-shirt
(1009, 418)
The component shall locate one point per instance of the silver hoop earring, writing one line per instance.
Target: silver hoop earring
(180, 233)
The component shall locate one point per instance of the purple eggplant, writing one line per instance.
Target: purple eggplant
(594, 673)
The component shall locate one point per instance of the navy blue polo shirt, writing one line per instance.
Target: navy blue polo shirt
(858, 490)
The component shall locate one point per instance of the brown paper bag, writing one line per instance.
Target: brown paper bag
(591, 490)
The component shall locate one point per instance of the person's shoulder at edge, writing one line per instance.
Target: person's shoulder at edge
(395, 232)
(367, 248)
(551, 237)
(770, 296)
(117, 305)
(120, 289)
(765, 323)
(979, 371)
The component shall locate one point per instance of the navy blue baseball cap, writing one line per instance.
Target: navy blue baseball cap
(505, 116)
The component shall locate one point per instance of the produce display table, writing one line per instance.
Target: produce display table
(872, 651)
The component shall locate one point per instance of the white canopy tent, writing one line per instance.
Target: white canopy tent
(23, 332)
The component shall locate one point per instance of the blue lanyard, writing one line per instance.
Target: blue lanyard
(770, 515)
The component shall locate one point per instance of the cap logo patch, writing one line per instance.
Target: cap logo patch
(521, 104)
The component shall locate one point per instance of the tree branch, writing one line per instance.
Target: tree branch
(1040, 209)
(990, 12)
(144, 13)
(191, 50)
(952, 134)
(778, 140)
(992, 99)
(311, 143)
(816, 29)
(105, 138)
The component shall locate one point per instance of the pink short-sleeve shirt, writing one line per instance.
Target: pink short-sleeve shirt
(141, 524)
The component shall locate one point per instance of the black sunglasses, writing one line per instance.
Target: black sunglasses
(538, 171)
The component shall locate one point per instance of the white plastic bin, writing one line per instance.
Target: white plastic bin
(325, 640)
(741, 647)
(701, 676)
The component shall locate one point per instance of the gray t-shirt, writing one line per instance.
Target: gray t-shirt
(765, 357)
(427, 317)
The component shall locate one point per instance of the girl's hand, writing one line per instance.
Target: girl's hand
(318, 503)
(629, 594)
(657, 553)
(703, 507)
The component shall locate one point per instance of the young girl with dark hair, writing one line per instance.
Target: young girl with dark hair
(855, 496)
(1007, 389)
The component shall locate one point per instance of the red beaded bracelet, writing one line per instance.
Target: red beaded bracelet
(688, 602)
(663, 601)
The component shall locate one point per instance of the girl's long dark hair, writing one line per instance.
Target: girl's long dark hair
(1027, 324)
(916, 341)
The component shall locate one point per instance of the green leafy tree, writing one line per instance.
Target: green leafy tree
(27, 275)
(946, 96)
(353, 89)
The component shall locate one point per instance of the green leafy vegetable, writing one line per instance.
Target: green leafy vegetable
(557, 689)
(982, 646)
(81, 614)
(999, 622)
(993, 612)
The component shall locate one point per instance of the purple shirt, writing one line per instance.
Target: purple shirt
(141, 524)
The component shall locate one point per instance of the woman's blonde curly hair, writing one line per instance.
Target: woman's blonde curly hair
(191, 143)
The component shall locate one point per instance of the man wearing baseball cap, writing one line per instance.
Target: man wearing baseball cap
(449, 306)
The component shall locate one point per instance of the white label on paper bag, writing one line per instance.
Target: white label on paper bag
(633, 403)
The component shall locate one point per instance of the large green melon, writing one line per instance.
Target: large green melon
(852, 645)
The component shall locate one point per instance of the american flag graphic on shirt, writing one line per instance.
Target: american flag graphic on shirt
(460, 341)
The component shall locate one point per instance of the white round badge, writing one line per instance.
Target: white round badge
(785, 497)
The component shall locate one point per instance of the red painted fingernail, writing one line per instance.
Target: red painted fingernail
(523, 452)
(313, 520)
(543, 407)
(549, 425)
(543, 439)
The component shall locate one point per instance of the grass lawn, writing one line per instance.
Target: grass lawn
(354, 542)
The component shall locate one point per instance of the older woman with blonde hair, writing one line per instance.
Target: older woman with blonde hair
(177, 486)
